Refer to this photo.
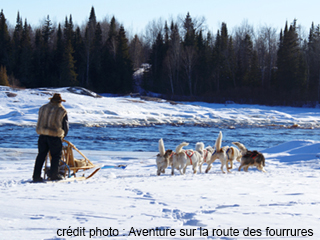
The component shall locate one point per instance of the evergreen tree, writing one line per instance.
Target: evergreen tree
(223, 60)
(3, 76)
(136, 52)
(157, 59)
(124, 80)
(37, 61)
(248, 67)
(68, 74)
(203, 65)
(89, 36)
(173, 59)
(16, 47)
(95, 64)
(291, 74)
(313, 56)
(108, 60)
(4, 41)
(189, 55)
(68, 33)
(58, 58)
(47, 32)
(79, 57)
(26, 73)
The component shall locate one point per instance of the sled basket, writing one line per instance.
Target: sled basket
(69, 165)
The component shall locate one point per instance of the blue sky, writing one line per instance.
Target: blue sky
(136, 14)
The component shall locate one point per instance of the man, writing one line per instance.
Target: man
(52, 126)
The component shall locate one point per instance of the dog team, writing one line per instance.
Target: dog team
(181, 159)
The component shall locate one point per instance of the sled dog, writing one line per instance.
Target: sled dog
(183, 158)
(164, 158)
(221, 154)
(206, 154)
(250, 158)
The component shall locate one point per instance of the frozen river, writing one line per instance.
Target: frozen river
(145, 139)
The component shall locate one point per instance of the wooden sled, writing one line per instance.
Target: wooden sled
(70, 166)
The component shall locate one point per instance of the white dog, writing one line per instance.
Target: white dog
(164, 158)
(206, 154)
(183, 158)
(224, 154)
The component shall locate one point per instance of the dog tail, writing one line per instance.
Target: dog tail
(161, 147)
(218, 142)
(242, 148)
(199, 146)
(179, 148)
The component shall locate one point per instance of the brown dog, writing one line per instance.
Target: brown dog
(250, 158)
(164, 158)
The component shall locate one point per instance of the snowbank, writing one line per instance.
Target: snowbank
(85, 107)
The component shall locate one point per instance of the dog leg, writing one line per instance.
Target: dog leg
(222, 165)
(262, 169)
(194, 166)
(208, 168)
(184, 170)
(246, 168)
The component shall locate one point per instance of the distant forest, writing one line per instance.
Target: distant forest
(181, 59)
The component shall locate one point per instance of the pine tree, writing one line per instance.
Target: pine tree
(223, 60)
(173, 59)
(157, 59)
(189, 54)
(136, 52)
(26, 72)
(37, 61)
(4, 41)
(59, 58)
(79, 57)
(16, 48)
(108, 59)
(89, 36)
(124, 80)
(95, 64)
(48, 78)
(3, 76)
(291, 74)
(313, 56)
(68, 74)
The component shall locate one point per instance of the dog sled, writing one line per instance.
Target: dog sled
(70, 167)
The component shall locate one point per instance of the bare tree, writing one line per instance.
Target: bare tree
(266, 47)
(189, 56)
(152, 30)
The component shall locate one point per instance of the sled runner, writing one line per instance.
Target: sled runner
(70, 166)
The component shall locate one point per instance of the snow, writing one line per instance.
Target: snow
(84, 109)
(132, 201)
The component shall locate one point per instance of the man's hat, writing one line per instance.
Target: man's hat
(57, 98)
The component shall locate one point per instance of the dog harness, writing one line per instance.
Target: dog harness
(189, 154)
(205, 155)
(254, 155)
(228, 153)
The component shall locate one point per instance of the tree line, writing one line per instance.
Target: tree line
(182, 60)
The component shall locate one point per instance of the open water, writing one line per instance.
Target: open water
(145, 139)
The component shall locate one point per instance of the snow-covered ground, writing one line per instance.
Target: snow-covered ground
(22, 109)
(135, 203)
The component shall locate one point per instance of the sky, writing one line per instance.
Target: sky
(135, 15)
